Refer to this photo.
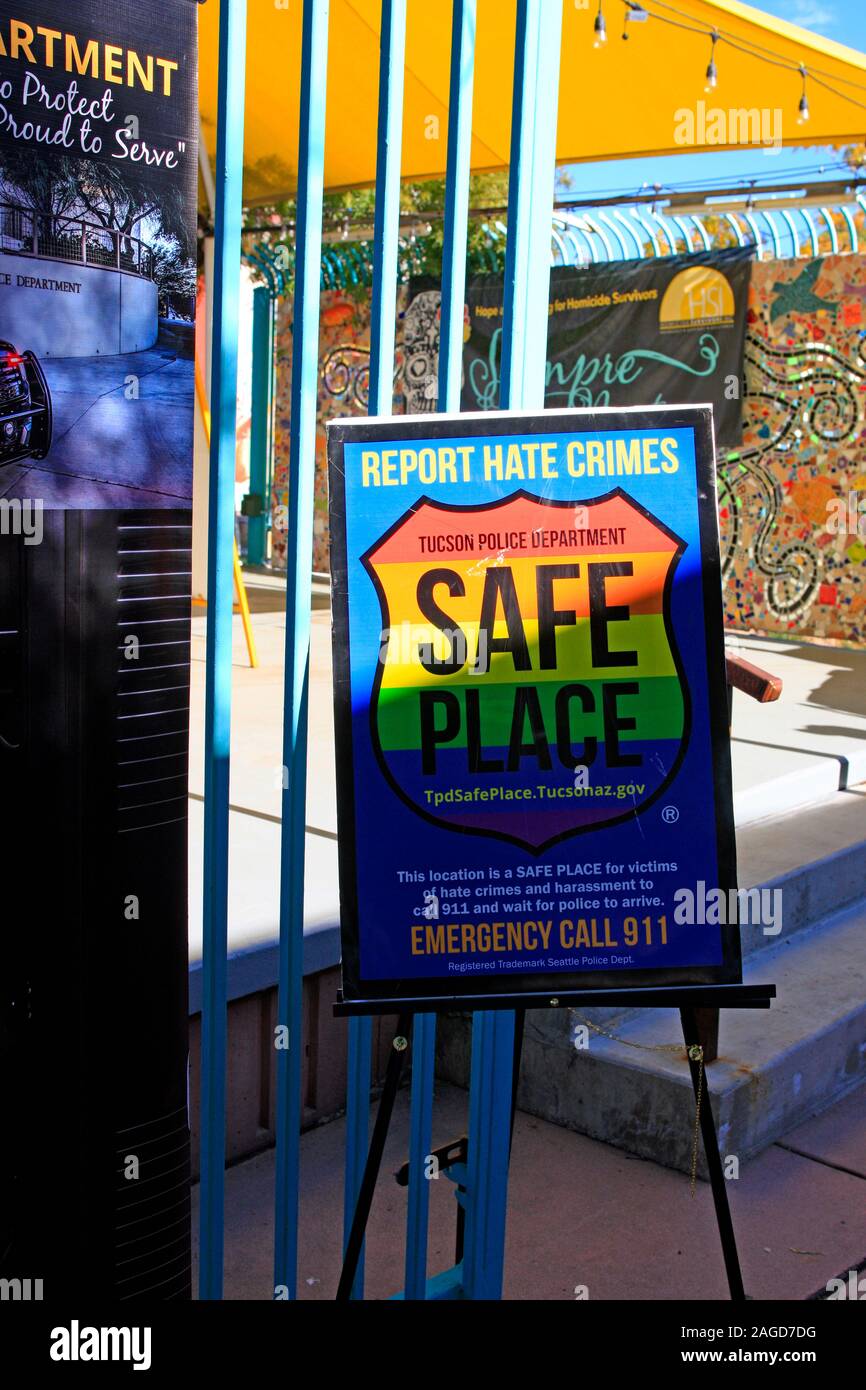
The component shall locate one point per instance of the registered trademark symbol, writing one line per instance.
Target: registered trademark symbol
(670, 814)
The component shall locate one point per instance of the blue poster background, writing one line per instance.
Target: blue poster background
(394, 843)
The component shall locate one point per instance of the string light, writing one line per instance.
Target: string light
(803, 108)
(712, 76)
(599, 29)
(649, 10)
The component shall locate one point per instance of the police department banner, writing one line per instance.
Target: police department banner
(642, 332)
(532, 757)
(97, 251)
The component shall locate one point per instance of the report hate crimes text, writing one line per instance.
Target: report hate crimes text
(519, 461)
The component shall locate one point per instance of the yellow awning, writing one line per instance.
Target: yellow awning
(620, 100)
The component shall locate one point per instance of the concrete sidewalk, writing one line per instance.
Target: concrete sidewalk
(580, 1213)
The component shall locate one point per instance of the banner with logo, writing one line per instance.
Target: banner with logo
(645, 332)
(98, 128)
(533, 769)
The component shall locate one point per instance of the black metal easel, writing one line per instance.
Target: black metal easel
(687, 1000)
(396, 1058)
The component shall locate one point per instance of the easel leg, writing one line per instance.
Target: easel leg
(707, 1021)
(714, 1163)
(374, 1162)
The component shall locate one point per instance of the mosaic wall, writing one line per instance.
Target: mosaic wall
(344, 371)
(792, 499)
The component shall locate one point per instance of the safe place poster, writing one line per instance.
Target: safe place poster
(530, 702)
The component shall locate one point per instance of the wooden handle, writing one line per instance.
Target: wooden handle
(758, 684)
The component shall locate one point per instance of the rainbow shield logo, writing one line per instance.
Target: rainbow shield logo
(528, 685)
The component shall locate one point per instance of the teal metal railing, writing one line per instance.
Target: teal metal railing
(302, 463)
(218, 656)
(480, 1273)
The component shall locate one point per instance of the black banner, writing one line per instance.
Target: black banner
(97, 281)
(625, 333)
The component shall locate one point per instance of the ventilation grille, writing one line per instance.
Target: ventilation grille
(11, 683)
(154, 580)
(152, 1221)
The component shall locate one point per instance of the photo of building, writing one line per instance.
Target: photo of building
(98, 273)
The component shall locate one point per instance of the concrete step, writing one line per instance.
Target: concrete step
(792, 778)
(811, 887)
(775, 1068)
(808, 895)
(815, 858)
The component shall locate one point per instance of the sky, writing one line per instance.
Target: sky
(841, 20)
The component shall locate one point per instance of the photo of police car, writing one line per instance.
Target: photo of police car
(26, 420)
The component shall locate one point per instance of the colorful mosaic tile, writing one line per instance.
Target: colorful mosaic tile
(792, 499)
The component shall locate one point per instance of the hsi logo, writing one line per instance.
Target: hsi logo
(76, 1343)
(699, 297)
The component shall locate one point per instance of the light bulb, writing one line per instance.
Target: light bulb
(711, 77)
(803, 108)
(600, 31)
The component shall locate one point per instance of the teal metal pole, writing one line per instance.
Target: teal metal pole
(262, 420)
(420, 1141)
(386, 229)
(490, 1089)
(269, 485)
(450, 368)
(524, 360)
(386, 226)
(218, 656)
(302, 466)
(530, 204)
(456, 203)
